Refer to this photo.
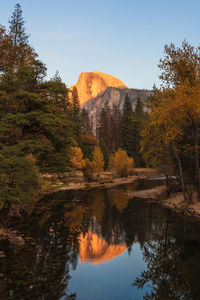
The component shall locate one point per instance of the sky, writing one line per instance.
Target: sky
(124, 38)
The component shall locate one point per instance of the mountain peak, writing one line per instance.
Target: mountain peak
(91, 84)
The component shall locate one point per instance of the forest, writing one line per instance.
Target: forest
(43, 129)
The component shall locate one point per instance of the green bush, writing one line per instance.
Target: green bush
(19, 179)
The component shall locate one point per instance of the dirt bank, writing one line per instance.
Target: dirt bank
(107, 179)
(175, 201)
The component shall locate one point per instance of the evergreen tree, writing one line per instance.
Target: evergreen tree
(127, 127)
(109, 127)
(104, 151)
(76, 114)
(17, 29)
(23, 69)
(139, 109)
(56, 91)
(86, 126)
(32, 120)
(104, 126)
(19, 179)
(131, 126)
(88, 143)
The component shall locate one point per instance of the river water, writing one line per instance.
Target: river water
(102, 244)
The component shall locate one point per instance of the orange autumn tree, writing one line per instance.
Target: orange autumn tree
(174, 115)
(92, 169)
(98, 160)
(76, 158)
(121, 164)
(162, 137)
(181, 72)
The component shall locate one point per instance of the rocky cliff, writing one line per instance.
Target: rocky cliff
(91, 84)
(96, 88)
(114, 96)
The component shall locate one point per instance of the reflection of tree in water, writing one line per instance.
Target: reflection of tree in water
(40, 270)
(168, 273)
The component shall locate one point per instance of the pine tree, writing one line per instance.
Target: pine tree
(116, 134)
(31, 120)
(22, 70)
(104, 151)
(104, 125)
(109, 127)
(56, 91)
(139, 109)
(127, 127)
(88, 143)
(76, 114)
(131, 126)
(86, 127)
(17, 28)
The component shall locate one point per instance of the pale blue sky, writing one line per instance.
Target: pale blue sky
(124, 38)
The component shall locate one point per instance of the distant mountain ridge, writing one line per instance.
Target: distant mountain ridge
(114, 96)
(96, 88)
(91, 84)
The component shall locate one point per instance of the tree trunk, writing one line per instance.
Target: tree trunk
(196, 138)
(195, 129)
(169, 185)
(181, 177)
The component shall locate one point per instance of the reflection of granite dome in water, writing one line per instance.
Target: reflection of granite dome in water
(94, 249)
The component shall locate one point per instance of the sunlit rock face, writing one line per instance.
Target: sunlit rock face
(91, 84)
(97, 88)
(94, 249)
(114, 97)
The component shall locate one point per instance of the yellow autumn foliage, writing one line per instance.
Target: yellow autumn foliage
(98, 160)
(76, 158)
(121, 164)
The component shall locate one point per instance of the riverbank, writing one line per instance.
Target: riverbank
(53, 183)
(174, 202)
(107, 180)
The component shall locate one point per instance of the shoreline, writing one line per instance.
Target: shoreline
(105, 184)
(107, 180)
(174, 202)
(157, 195)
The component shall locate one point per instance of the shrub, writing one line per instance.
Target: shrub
(19, 179)
(121, 164)
(89, 170)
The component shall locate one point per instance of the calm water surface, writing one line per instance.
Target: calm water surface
(103, 245)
